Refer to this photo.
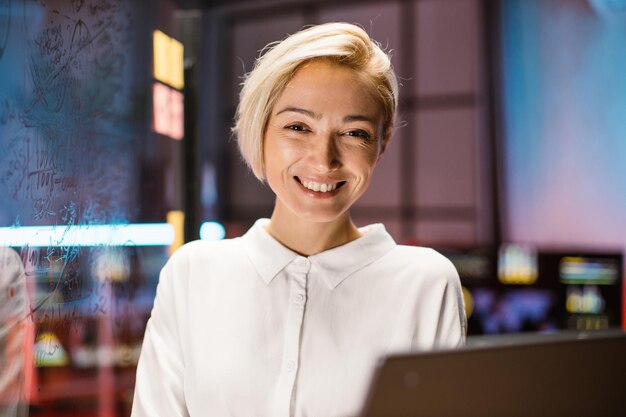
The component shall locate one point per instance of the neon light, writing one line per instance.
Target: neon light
(145, 234)
(212, 231)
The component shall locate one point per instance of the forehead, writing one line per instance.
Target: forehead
(324, 87)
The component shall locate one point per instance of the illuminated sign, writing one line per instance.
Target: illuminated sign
(167, 102)
(585, 301)
(578, 270)
(168, 111)
(517, 265)
(168, 60)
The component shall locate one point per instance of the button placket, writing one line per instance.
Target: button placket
(297, 275)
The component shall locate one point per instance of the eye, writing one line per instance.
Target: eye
(297, 127)
(359, 133)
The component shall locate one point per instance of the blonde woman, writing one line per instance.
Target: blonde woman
(289, 319)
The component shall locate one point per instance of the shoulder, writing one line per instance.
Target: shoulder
(420, 257)
(200, 252)
(424, 262)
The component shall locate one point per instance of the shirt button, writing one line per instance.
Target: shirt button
(298, 299)
(291, 366)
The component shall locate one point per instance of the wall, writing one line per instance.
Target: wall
(432, 185)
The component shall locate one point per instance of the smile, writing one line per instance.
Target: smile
(320, 187)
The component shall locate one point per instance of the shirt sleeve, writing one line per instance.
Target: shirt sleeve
(452, 323)
(159, 384)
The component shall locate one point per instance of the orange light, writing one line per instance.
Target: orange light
(177, 219)
(168, 60)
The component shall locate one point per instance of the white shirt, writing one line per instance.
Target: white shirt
(16, 336)
(246, 327)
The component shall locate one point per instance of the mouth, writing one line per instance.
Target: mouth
(320, 187)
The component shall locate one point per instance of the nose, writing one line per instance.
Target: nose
(325, 155)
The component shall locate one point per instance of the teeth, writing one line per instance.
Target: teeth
(315, 186)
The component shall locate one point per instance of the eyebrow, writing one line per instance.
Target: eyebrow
(306, 112)
(359, 118)
(317, 116)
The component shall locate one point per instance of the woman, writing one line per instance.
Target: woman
(16, 336)
(289, 319)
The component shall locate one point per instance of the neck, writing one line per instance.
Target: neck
(307, 237)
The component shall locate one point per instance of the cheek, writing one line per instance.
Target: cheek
(277, 161)
(366, 159)
(283, 153)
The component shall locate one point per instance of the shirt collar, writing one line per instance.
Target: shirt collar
(269, 256)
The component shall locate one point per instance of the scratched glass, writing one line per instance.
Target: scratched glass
(74, 137)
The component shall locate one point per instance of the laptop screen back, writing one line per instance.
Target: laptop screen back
(571, 377)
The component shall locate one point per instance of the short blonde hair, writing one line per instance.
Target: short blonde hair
(343, 43)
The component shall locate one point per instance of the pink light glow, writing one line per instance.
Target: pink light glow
(168, 111)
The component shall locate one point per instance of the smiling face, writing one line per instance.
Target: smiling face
(323, 139)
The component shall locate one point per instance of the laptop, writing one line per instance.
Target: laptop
(547, 376)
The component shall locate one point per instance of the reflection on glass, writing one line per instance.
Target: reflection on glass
(89, 314)
(16, 334)
(76, 156)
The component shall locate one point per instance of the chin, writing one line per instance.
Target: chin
(320, 216)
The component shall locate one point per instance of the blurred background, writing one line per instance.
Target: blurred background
(115, 148)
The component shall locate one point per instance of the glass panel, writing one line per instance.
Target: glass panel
(78, 269)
